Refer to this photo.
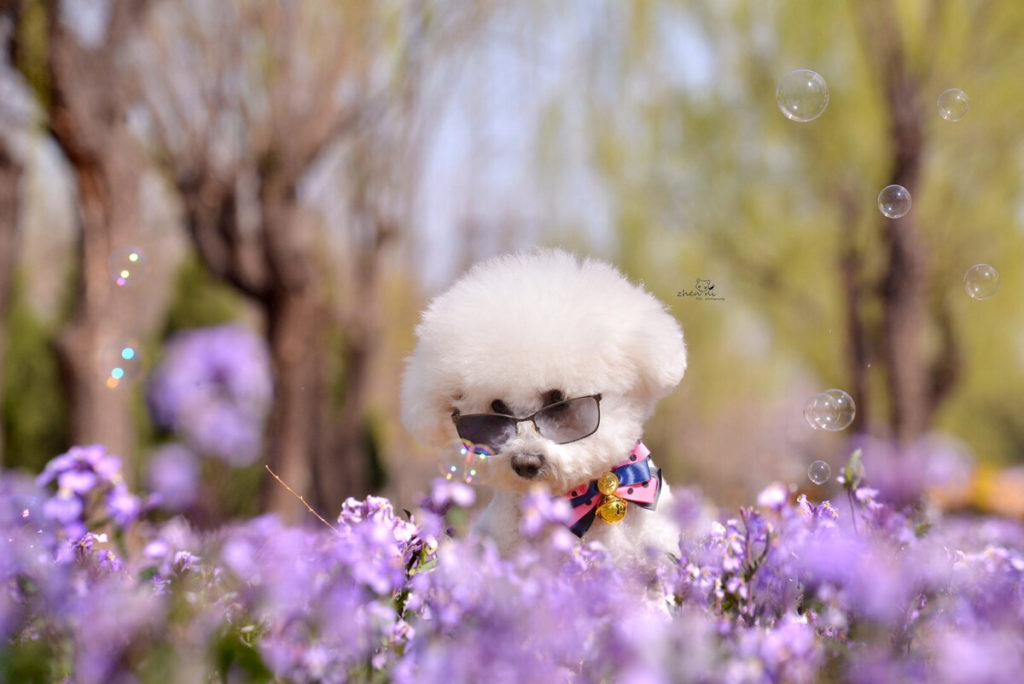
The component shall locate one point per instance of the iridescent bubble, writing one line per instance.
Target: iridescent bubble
(981, 281)
(476, 461)
(846, 410)
(450, 470)
(802, 95)
(953, 104)
(894, 201)
(819, 410)
(830, 410)
(128, 266)
(467, 462)
(819, 472)
(120, 363)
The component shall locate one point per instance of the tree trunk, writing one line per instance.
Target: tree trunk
(851, 269)
(342, 463)
(904, 295)
(295, 331)
(87, 120)
(97, 413)
(904, 301)
(345, 463)
(10, 175)
(296, 322)
(917, 382)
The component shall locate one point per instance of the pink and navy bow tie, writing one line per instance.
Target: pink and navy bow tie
(636, 481)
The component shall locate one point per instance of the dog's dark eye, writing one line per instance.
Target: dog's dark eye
(553, 397)
(498, 406)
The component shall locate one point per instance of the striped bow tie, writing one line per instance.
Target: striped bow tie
(636, 481)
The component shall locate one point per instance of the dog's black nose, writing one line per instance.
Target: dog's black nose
(527, 465)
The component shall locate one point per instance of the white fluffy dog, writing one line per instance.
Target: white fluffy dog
(555, 364)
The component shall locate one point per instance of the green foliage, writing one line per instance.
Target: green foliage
(853, 471)
(235, 659)
(34, 410)
(231, 492)
(29, 661)
(199, 300)
(711, 181)
(377, 473)
(32, 43)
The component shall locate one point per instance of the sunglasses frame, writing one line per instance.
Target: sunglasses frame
(456, 417)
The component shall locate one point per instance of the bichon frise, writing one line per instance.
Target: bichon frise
(554, 364)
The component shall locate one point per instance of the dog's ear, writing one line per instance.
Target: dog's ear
(658, 354)
(426, 410)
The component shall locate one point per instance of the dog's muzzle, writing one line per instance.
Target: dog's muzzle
(527, 466)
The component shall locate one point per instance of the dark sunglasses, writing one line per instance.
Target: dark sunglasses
(561, 422)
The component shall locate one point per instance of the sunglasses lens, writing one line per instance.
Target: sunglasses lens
(492, 431)
(570, 420)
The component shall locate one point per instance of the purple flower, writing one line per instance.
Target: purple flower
(970, 655)
(65, 508)
(773, 497)
(213, 388)
(184, 561)
(447, 493)
(106, 621)
(789, 651)
(77, 481)
(791, 591)
(82, 467)
(77, 458)
(174, 476)
(383, 543)
(902, 474)
(80, 473)
(108, 468)
(542, 512)
(123, 506)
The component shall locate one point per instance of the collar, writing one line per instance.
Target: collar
(636, 480)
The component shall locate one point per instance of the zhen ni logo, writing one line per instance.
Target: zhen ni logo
(704, 290)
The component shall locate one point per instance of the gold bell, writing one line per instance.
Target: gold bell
(612, 509)
(608, 483)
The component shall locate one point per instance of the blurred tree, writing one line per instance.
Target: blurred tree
(711, 178)
(10, 180)
(199, 300)
(244, 101)
(34, 411)
(74, 70)
(10, 174)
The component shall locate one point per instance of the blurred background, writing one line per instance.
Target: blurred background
(220, 219)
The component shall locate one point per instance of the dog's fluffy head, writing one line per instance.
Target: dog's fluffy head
(523, 330)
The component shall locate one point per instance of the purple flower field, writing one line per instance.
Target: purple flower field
(785, 591)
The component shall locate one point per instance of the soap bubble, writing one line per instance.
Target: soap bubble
(819, 410)
(953, 104)
(894, 201)
(128, 266)
(467, 462)
(831, 410)
(120, 363)
(981, 281)
(819, 472)
(846, 410)
(450, 469)
(802, 95)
